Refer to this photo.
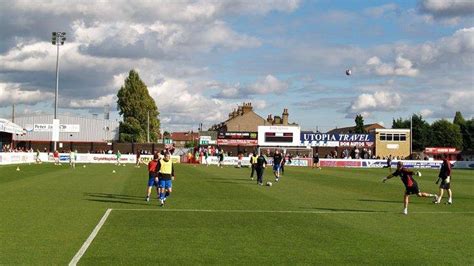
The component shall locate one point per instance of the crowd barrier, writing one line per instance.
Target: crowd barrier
(24, 157)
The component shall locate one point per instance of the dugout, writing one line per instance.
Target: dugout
(7, 130)
(437, 153)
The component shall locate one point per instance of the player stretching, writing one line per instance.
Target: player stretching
(445, 176)
(166, 175)
(152, 176)
(411, 187)
(277, 161)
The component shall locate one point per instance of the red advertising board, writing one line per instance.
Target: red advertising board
(437, 150)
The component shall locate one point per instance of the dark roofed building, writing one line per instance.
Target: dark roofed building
(350, 130)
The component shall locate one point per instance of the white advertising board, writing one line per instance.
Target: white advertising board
(282, 136)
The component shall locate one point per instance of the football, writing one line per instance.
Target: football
(269, 184)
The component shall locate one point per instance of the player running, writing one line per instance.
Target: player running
(445, 177)
(152, 176)
(277, 161)
(166, 175)
(117, 157)
(411, 187)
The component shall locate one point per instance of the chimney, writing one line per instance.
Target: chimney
(285, 117)
(239, 111)
(270, 119)
(247, 107)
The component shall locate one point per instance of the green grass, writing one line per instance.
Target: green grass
(332, 216)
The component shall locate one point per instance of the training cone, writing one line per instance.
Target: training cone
(18, 168)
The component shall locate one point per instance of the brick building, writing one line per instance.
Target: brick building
(245, 119)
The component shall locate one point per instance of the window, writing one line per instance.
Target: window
(403, 137)
(396, 137)
(393, 137)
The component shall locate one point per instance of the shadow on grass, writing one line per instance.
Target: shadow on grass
(115, 198)
(118, 201)
(390, 201)
(112, 196)
(218, 178)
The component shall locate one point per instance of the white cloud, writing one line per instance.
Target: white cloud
(426, 113)
(270, 84)
(401, 67)
(461, 100)
(447, 8)
(11, 93)
(179, 104)
(264, 86)
(100, 102)
(383, 101)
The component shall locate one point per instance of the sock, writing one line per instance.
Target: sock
(167, 194)
(161, 195)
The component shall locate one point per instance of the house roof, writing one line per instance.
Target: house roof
(347, 130)
(184, 136)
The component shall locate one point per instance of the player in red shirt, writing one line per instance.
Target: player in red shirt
(411, 187)
(152, 175)
(56, 157)
(445, 177)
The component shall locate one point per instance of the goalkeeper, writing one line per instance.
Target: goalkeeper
(411, 187)
(445, 177)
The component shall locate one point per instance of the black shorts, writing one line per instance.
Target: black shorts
(315, 160)
(412, 190)
(445, 185)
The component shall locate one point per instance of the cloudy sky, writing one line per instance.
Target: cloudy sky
(202, 58)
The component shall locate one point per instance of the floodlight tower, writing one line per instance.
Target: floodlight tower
(58, 38)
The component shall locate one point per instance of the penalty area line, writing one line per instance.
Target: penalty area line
(89, 240)
(285, 211)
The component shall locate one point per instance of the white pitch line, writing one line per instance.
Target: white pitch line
(89, 240)
(277, 211)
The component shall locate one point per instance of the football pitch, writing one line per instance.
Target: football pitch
(219, 216)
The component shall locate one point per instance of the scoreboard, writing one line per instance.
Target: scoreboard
(278, 136)
(286, 137)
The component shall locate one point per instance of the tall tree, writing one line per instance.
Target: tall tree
(359, 127)
(446, 134)
(137, 106)
(466, 131)
(468, 137)
(420, 130)
(401, 123)
(459, 119)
